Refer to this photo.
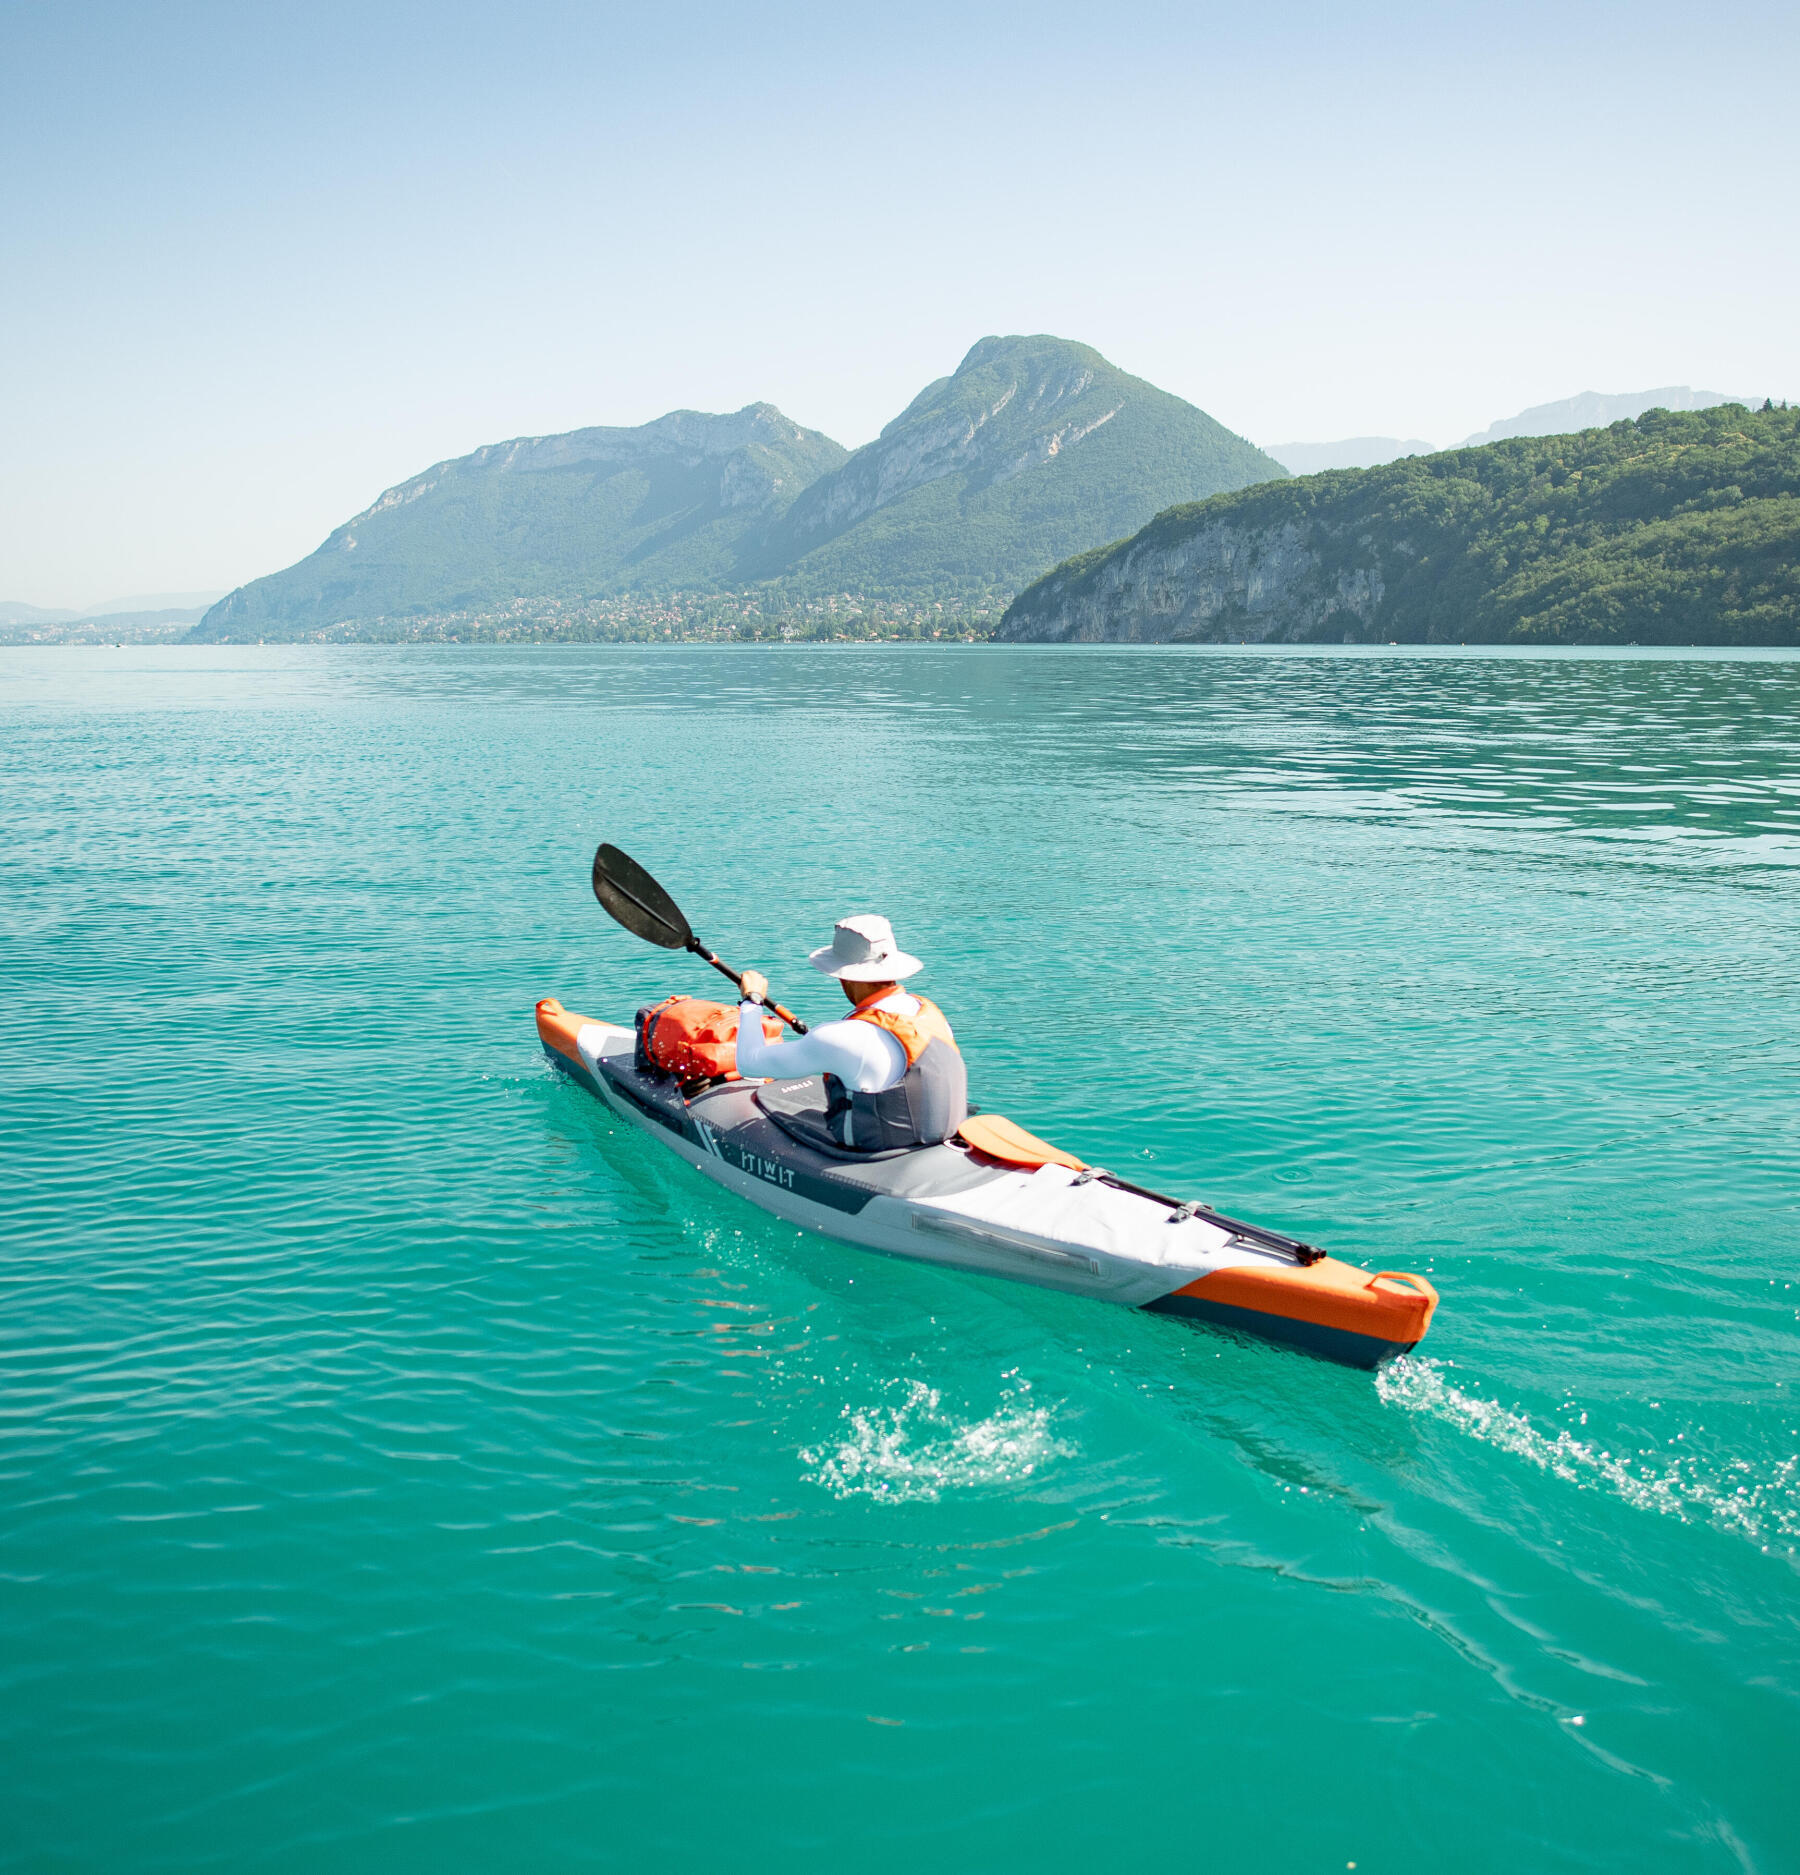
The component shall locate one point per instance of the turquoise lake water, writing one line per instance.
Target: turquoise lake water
(403, 1466)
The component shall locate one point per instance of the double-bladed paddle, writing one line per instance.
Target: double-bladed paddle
(630, 895)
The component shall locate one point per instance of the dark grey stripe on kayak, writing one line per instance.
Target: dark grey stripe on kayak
(726, 1123)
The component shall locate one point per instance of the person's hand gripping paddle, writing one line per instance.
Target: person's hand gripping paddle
(628, 894)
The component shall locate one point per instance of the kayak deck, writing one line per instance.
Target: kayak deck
(1052, 1223)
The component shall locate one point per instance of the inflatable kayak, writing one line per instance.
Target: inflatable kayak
(999, 1201)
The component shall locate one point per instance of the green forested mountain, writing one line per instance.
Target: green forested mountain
(673, 504)
(1678, 528)
(1033, 449)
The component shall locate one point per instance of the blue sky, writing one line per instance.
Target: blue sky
(262, 262)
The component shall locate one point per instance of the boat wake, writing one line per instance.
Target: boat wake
(913, 1450)
(1762, 1509)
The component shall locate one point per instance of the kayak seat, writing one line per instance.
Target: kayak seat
(798, 1108)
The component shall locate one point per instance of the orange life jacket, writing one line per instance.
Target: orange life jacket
(911, 1032)
(925, 1107)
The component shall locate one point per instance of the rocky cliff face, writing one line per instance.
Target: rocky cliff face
(1220, 581)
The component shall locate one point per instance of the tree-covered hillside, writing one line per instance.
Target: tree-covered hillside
(1679, 528)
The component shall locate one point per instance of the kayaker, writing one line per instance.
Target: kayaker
(893, 1074)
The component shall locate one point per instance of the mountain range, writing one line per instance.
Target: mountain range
(1590, 410)
(1586, 411)
(1033, 448)
(1682, 527)
(138, 605)
(1035, 452)
(1354, 452)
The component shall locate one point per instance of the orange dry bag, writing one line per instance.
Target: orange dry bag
(693, 1040)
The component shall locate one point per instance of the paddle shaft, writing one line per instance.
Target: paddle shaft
(658, 918)
(724, 969)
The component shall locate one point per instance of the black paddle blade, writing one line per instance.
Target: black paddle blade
(637, 901)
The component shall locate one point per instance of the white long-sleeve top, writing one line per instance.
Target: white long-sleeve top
(864, 1057)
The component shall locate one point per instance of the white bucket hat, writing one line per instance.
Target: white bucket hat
(863, 950)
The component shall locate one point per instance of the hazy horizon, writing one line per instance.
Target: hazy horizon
(276, 265)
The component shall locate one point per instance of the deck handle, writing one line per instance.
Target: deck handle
(1403, 1276)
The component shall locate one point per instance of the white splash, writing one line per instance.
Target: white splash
(912, 1452)
(1676, 1486)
